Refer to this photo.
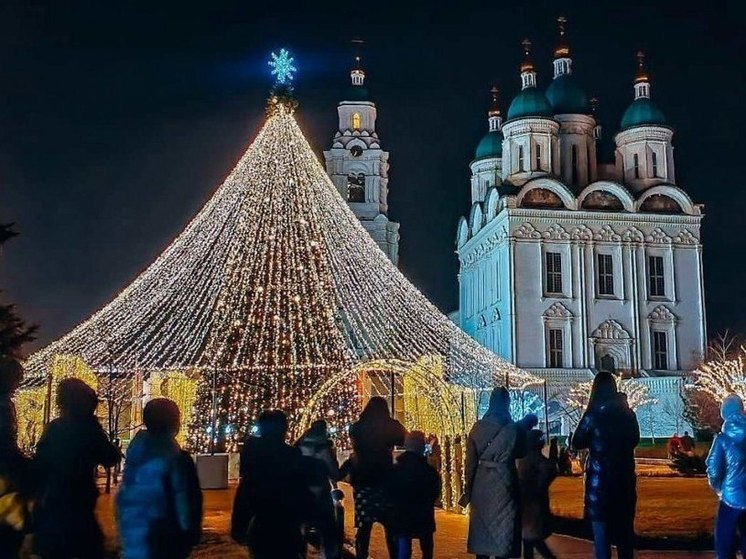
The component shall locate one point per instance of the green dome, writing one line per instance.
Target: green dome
(490, 146)
(642, 111)
(529, 102)
(357, 93)
(566, 97)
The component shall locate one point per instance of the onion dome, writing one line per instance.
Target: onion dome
(491, 145)
(564, 94)
(642, 111)
(530, 102)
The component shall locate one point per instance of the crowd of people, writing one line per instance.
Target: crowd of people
(288, 494)
(53, 495)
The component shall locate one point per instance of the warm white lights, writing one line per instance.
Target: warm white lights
(276, 288)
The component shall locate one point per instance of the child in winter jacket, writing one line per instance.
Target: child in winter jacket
(535, 474)
(159, 501)
(415, 487)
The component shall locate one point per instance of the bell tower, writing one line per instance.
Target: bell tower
(359, 167)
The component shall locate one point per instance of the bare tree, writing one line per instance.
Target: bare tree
(724, 346)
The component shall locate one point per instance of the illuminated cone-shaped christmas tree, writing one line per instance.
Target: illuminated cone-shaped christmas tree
(275, 292)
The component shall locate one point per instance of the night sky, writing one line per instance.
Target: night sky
(119, 119)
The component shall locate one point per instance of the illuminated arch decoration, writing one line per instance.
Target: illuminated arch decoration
(430, 404)
(274, 289)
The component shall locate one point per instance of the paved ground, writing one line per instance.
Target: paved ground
(450, 543)
(450, 540)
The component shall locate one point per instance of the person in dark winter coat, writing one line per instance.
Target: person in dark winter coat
(159, 502)
(322, 473)
(491, 485)
(374, 437)
(272, 500)
(415, 487)
(610, 432)
(67, 456)
(536, 473)
(726, 472)
(14, 466)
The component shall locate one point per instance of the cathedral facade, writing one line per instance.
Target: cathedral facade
(572, 262)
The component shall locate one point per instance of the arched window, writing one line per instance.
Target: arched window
(356, 121)
(636, 165)
(356, 187)
(538, 157)
(654, 158)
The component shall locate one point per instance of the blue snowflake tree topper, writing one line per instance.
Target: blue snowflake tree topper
(282, 66)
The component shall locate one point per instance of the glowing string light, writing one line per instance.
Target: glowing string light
(638, 394)
(274, 288)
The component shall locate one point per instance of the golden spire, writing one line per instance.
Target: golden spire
(562, 50)
(642, 72)
(528, 64)
(495, 105)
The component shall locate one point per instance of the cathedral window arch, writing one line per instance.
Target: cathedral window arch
(636, 165)
(357, 121)
(557, 337)
(663, 343)
(654, 161)
(538, 157)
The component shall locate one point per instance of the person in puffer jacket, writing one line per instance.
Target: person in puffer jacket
(726, 472)
(159, 501)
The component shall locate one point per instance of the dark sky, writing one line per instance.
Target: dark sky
(119, 119)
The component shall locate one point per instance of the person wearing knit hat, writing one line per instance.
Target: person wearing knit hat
(415, 487)
(726, 473)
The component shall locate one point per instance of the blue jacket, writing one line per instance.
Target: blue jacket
(726, 463)
(159, 501)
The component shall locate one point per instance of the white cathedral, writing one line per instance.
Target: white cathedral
(569, 264)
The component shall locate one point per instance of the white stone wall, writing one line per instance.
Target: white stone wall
(505, 305)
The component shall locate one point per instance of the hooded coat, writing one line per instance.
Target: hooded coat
(726, 463)
(491, 488)
(610, 432)
(159, 501)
